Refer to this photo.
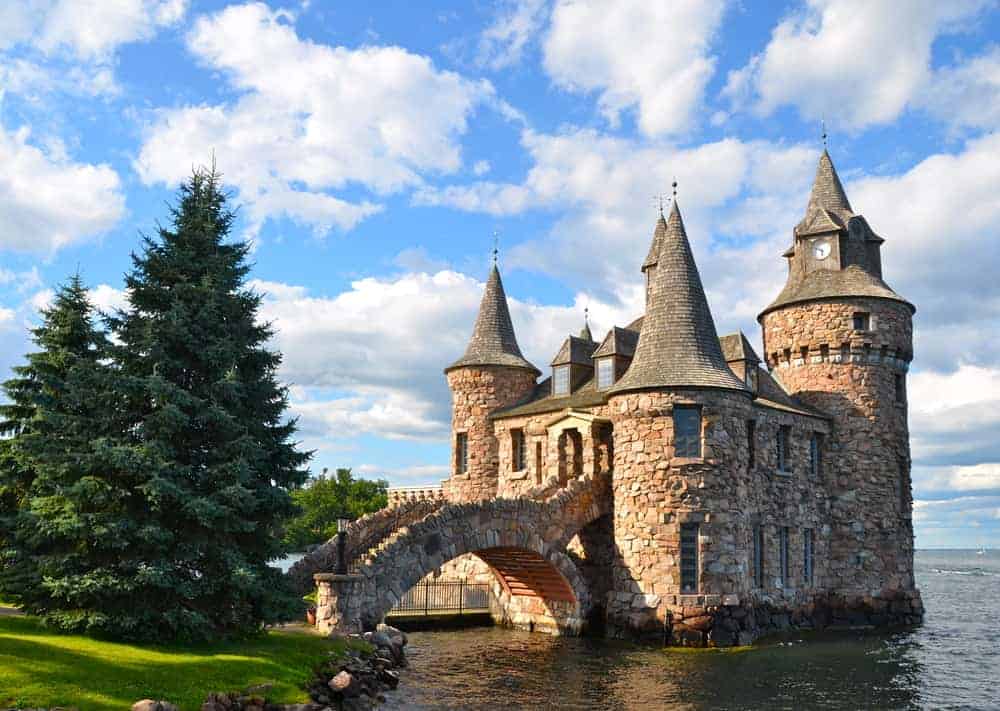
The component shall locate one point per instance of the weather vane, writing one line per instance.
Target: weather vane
(822, 122)
(658, 201)
(496, 246)
(674, 186)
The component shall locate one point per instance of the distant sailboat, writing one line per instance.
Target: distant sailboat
(981, 551)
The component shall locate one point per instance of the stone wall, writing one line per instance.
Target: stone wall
(399, 495)
(477, 392)
(855, 376)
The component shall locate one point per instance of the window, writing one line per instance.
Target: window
(560, 380)
(815, 468)
(687, 431)
(824, 352)
(689, 557)
(804, 354)
(538, 462)
(862, 322)
(900, 383)
(519, 447)
(784, 433)
(807, 556)
(751, 376)
(461, 452)
(758, 556)
(784, 556)
(751, 444)
(605, 372)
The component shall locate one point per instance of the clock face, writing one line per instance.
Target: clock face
(821, 249)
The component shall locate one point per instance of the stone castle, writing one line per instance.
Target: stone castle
(726, 496)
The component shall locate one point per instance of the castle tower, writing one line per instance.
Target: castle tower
(679, 416)
(840, 339)
(491, 374)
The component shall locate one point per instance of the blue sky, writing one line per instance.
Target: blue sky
(375, 148)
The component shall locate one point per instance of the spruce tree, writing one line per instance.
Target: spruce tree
(51, 421)
(206, 416)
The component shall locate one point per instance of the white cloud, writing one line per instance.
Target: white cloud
(967, 93)
(311, 118)
(72, 43)
(108, 299)
(401, 476)
(481, 167)
(502, 44)
(21, 281)
(854, 62)
(48, 201)
(650, 56)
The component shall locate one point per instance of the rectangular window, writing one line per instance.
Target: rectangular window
(689, 557)
(862, 322)
(814, 456)
(807, 556)
(900, 383)
(751, 444)
(758, 556)
(461, 452)
(605, 372)
(687, 431)
(538, 462)
(560, 380)
(519, 450)
(784, 434)
(824, 352)
(751, 376)
(784, 556)
(904, 487)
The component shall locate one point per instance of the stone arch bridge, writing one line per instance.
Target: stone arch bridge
(524, 541)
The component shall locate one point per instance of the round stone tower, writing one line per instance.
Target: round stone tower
(492, 374)
(679, 415)
(839, 339)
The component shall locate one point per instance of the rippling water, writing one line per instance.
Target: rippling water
(951, 661)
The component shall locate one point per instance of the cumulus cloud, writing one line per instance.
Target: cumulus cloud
(854, 62)
(966, 94)
(48, 201)
(70, 44)
(653, 57)
(310, 119)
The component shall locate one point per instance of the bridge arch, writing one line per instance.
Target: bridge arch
(523, 540)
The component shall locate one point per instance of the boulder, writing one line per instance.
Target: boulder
(151, 705)
(700, 623)
(344, 683)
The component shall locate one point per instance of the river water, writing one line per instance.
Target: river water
(951, 661)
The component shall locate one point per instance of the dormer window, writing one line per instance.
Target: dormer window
(605, 372)
(560, 380)
(751, 376)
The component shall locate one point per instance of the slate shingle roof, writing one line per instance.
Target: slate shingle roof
(678, 344)
(735, 346)
(654, 248)
(834, 283)
(575, 350)
(493, 341)
(828, 209)
(619, 341)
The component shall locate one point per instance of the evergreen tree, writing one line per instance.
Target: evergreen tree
(206, 417)
(51, 421)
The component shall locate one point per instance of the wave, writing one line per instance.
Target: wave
(972, 571)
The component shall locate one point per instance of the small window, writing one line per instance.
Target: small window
(461, 452)
(519, 450)
(784, 434)
(815, 463)
(904, 487)
(758, 556)
(751, 377)
(900, 383)
(784, 556)
(689, 558)
(538, 462)
(605, 372)
(862, 322)
(751, 444)
(824, 352)
(687, 431)
(845, 352)
(804, 354)
(807, 556)
(560, 380)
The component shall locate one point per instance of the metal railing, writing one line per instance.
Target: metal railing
(454, 597)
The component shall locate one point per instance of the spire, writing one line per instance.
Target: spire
(585, 333)
(827, 191)
(493, 341)
(654, 248)
(678, 344)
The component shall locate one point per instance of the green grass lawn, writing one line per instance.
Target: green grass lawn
(41, 668)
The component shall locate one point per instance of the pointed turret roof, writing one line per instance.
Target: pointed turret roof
(654, 248)
(493, 341)
(678, 344)
(585, 333)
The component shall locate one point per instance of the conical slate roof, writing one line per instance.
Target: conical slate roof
(678, 344)
(654, 248)
(828, 209)
(493, 341)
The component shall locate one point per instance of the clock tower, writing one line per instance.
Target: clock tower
(840, 339)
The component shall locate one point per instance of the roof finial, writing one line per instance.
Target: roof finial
(586, 315)
(658, 202)
(674, 186)
(822, 123)
(496, 246)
